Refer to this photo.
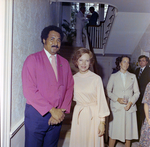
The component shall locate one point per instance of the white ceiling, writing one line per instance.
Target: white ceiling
(141, 6)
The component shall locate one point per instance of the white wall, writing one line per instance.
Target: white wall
(30, 17)
(66, 12)
(143, 47)
(105, 66)
(18, 139)
(2, 34)
(5, 69)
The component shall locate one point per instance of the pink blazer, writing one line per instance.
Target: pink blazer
(40, 87)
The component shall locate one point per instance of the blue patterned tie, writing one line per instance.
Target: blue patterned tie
(140, 73)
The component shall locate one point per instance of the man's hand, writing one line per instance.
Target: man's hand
(101, 129)
(88, 16)
(128, 106)
(57, 114)
(121, 100)
(52, 121)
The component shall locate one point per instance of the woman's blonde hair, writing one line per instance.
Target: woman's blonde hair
(79, 53)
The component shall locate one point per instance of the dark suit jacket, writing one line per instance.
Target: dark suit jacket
(142, 81)
(93, 18)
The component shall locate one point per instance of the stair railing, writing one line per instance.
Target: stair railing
(97, 36)
(110, 16)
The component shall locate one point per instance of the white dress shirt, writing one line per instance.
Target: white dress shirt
(49, 56)
(123, 77)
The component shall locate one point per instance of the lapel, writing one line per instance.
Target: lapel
(137, 72)
(129, 80)
(59, 70)
(144, 74)
(144, 71)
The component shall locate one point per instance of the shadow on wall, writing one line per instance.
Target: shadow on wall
(100, 71)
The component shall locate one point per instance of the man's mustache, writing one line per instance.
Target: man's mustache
(55, 46)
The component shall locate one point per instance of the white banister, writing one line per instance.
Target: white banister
(99, 34)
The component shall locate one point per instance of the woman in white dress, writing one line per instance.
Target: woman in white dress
(123, 91)
(88, 124)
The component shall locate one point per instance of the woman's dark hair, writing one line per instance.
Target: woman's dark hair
(46, 30)
(117, 63)
(79, 53)
(123, 56)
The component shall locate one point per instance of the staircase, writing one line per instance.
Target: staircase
(98, 35)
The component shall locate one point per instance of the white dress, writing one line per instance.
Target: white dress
(91, 107)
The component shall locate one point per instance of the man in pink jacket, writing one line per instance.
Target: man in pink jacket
(48, 94)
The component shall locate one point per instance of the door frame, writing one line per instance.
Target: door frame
(6, 15)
